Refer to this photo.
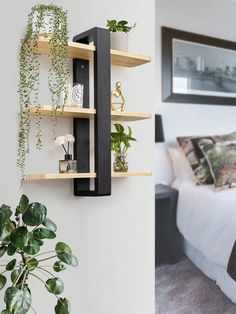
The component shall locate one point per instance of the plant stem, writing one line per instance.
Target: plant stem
(45, 271)
(48, 252)
(33, 309)
(3, 272)
(45, 259)
(23, 281)
(15, 282)
(38, 278)
(64, 149)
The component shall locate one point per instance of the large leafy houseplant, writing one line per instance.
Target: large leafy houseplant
(50, 22)
(21, 238)
(120, 143)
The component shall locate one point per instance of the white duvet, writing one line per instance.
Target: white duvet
(207, 219)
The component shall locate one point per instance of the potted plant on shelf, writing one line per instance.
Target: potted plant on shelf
(119, 34)
(120, 143)
(49, 22)
(22, 238)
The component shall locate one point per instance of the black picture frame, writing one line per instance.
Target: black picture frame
(168, 36)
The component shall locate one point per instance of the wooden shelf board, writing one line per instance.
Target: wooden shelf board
(127, 59)
(86, 52)
(60, 176)
(86, 113)
(68, 112)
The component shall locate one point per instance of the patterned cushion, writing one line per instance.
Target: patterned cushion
(221, 158)
(196, 157)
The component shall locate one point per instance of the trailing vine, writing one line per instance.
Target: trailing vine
(49, 21)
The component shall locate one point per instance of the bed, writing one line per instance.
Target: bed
(207, 221)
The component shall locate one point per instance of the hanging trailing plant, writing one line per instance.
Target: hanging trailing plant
(49, 21)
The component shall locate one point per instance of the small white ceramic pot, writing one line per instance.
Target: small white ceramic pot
(119, 41)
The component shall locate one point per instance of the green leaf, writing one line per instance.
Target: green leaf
(52, 235)
(16, 273)
(35, 214)
(5, 214)
(41, 233)
(119, 128)
(59, 266)
(3, 281)
(5, 232)
(11, 250)
(68, 259)
(11, 265)
(55, 285)
(17, 301)
(31, 249)
(5, 312)
(50, 225)
(23, 204)
(32, 264)
(63, 247)
(33, 241)
(63, 306)
(19, 237)
(3, 250)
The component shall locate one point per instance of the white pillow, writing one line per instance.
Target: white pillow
(181, 166)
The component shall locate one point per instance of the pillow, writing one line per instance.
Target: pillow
(181, 167)
(221, 158)
(196, 157)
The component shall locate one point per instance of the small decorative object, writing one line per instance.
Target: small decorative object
(117, 99)
(50, 23)
(66, 165)
(120, 142)
(77, 95)
(119, 34)
(22, 237)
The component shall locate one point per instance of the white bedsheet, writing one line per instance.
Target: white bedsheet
(207, 219)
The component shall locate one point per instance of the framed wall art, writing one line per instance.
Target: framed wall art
(197, 69)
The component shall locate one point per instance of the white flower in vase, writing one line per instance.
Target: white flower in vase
(69, 138)
(60, 140)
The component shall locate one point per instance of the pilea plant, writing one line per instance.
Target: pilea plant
(120, 143)
(48, 21)
(21, 238)
(119, 26)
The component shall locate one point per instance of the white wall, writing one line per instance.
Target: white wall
(208, 17)
(112, 236)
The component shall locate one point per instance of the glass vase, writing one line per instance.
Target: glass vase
(120, 164)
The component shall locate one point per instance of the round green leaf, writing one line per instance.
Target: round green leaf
(50, 225)
(3, 281)
(18, 237)
(31, 249)
(5, 232)
(52, 235)
(33, 241)
(15, 274)
(5, 214)
(63, 247)
(41, 233)
(55, 285)
(63, 306)
(24, 202)
(11, 250)
(5, 312)
(11, 265)
(3, 250)
(59, 266)
(32, 264)
(35, 214)
(68, 259)
(17, 300)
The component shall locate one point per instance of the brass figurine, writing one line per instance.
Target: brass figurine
(117, 104)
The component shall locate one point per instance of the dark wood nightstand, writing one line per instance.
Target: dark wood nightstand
(166, 231)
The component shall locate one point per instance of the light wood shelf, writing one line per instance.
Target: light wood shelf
(60, 176)
(86, 52)
(86, 113)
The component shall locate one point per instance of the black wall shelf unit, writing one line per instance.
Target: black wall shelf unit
(102, 121)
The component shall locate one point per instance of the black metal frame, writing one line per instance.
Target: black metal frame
(168, 34)
(102, 121)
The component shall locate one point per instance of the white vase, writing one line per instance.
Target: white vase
(119, 41)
